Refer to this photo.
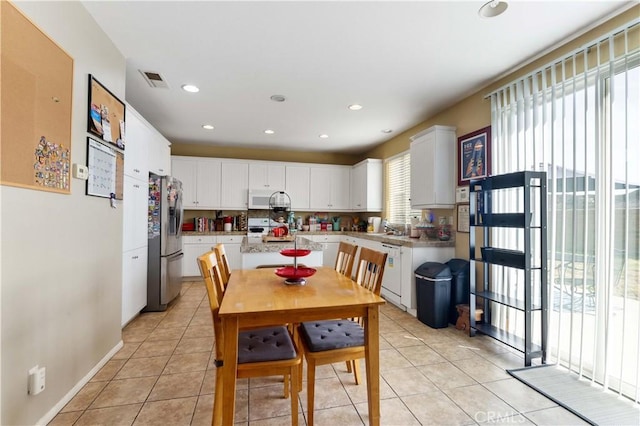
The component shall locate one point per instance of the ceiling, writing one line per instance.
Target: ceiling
(402, 61)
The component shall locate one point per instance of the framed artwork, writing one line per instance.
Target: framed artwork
(106, 115)
(474, 156)
(463, 217)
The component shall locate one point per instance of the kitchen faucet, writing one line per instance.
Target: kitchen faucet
(389, 228)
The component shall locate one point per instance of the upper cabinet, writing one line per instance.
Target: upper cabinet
(137, 137)
(201, 178)
(160, 155)
(433, 168)
(266, 176)
(297, 186)
(329, 188)
(234, 185)
(366, 186)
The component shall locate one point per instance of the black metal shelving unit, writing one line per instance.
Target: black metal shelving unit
(531, 224)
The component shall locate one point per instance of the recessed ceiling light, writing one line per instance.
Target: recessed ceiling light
(207, 126)
(493, 9)
(323, 136)
(278, 98)
(355, 107)
(386, 130)
(190, 88)
(269, 131)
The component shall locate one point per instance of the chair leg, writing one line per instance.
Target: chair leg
(286, 385)
(348, 366)
(356, 370)
(311, 382)
(216, 419)
(294, 395)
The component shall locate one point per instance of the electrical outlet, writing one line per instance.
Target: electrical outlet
(36, 380)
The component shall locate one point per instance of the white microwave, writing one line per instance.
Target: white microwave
(259, 198)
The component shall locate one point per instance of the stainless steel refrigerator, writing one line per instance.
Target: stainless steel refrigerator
(164, 271)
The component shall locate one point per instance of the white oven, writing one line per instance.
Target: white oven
(257, 227)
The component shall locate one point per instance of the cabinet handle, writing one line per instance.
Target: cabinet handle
(134, 257)
(136, 170)
(161, 170)
(136, 186)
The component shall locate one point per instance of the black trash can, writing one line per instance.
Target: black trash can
(433, 293)
(459, 286)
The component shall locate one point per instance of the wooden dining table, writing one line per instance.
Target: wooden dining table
(258, 297)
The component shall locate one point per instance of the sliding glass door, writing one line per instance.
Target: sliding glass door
(577, 119)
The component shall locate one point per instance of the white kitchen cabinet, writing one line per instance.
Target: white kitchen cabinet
(297, 186)
(232, 245)
(330, 188)
(201, 181)
(330, 245)
(160, 155)
(268, 176)
(235, 186)
(134, 283)
(137, 137)
(433, 177)
(193, 247)
(135, 206)
(366, 186)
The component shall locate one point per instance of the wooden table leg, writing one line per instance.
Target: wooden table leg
(372, 355)
(229, 369)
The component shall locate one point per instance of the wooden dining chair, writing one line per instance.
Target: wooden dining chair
(330, 341)
(223, 261)
(345, 258)
(262, 352)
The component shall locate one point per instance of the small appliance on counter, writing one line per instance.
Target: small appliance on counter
(373, 224)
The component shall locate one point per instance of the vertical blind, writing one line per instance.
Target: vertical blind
(398, 189)
(577, 119)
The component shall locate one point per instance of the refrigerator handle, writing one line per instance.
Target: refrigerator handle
(179, 216)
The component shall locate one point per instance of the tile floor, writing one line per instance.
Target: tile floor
(164, 375)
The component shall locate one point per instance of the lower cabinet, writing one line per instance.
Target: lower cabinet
(134, 283)
(232, 249)
(193, 247)
(330, 245)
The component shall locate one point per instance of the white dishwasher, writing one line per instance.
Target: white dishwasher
(392, 278)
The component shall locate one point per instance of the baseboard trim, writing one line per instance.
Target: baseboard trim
(65, 400)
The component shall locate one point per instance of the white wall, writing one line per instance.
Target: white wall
(61, 255)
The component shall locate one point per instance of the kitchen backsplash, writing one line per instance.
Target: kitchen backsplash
(347, 220)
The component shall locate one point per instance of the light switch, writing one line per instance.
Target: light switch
(80, 171)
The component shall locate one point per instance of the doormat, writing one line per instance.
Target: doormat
(588, 402)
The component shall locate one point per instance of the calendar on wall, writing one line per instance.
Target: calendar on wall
(101, 161)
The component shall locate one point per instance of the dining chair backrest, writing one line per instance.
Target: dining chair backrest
(210, 272)
(345, 258)
(370, 269)
(223, 261)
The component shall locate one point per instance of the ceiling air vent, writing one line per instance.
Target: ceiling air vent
(154, 79)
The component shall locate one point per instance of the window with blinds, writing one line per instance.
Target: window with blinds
(398, 189)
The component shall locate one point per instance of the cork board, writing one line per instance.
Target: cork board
(36, 85)
(106, 115)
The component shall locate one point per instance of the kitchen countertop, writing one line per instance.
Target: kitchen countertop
(249, 246)
(383, 238)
